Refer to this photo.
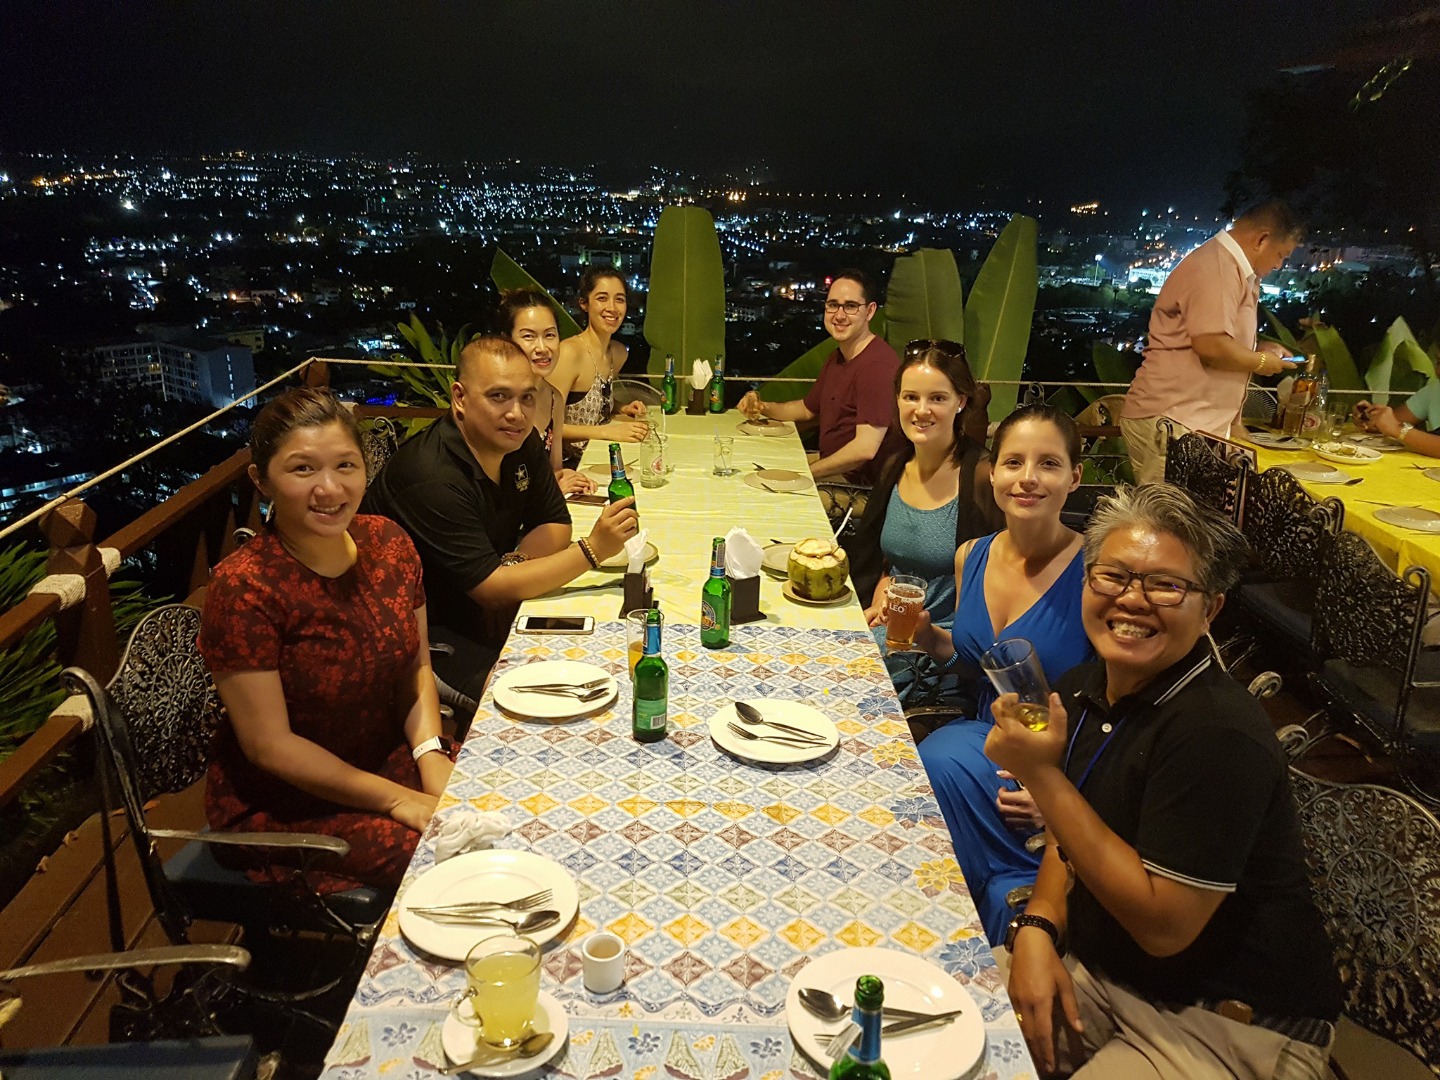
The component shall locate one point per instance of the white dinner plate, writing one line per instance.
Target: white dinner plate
(1375, 441)
(1265, 438)
(1410, 517)
(1316, 472)
(1346, 453)
(772, 753)
(552, 706)
(493, 874)
(619, 562)
(458, 1039)
(778, 480)
(1433, 474)
(776, 559)
(937, 1053)
(788, 591)
(772, 428)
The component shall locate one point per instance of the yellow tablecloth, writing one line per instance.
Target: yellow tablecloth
(695, 505)
(1396, 479)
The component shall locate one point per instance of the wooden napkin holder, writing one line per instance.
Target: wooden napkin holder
(745, 600)
(697, 402)
(638, 593)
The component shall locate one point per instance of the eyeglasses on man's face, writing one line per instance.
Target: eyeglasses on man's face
(1162, 590)
(850, 307)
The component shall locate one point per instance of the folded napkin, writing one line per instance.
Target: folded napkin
(742, 555)
(465, 830)
(635, 552)
(700, 372)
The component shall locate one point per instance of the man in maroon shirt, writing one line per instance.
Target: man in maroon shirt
(854, 396)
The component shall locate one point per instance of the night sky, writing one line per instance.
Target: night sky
(1123, 101)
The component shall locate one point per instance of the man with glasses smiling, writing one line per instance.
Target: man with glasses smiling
(854, 395)
(1171, 932)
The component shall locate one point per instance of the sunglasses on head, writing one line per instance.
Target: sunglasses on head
(945, 345)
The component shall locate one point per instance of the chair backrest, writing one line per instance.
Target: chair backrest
(380, 437)
(1374, 861)
(1288, 529)
(1192, 464)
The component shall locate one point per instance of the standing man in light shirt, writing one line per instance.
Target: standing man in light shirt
(1203, 327)
(854, 395)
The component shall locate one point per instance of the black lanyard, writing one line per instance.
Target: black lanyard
(1080, 784)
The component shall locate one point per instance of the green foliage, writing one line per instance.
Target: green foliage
(1281, 331)
(507, 274)
(1398, 364)
(924, 298)
(1112, 365)
(432, 385)
(1339, 364)
(685, 309)
(1001, 310)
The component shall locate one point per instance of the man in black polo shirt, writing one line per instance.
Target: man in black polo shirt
(476, 494)
(1174, 870)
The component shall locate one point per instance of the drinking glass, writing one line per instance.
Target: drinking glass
(1014, 668)
(635, 637)
(502, 988)
(653, 468)
(655, 414)
(904, 600)
(725, 455)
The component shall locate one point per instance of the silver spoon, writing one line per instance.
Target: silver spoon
(750, 715)
(827, 1006)
(531, 920)
(528, 1047)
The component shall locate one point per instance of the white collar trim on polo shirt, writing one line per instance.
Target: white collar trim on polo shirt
(1183, 681)
(1229, 243)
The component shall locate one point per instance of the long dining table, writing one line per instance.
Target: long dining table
(724, 878)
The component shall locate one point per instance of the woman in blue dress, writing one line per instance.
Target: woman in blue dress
(932, 496)
(1024, 581)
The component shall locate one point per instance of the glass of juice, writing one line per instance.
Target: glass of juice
(502, 976)
(634, 637)
(1014, 668)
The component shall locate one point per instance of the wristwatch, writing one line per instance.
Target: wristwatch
(449, 747)
(1043, 923)
(1405, 429)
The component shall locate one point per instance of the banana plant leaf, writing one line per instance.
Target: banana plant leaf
(1112, 365)
(685, 308)
(1384, 376)
(924, 299)
(1339, 364)
(795, 378)
(506, 273)
(1280, 332)
(1000, 311)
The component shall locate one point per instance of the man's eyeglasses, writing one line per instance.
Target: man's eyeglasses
(850, 307)
(1162, 590)
(944, 345)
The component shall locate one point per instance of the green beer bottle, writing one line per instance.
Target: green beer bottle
(669, 387)
(715, 600)
(651, 688)
(620, 488)
(862, 1060)
(715, 398)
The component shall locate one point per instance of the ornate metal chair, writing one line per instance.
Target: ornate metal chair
(1366, 634)
(1193, 465)
(149, 1031)
(1374, 861)
(155, 720)
(381, 437)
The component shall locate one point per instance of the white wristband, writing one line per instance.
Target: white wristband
(432, 743)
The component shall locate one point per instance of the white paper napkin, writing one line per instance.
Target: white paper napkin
(465, 830)
(700, 373)
(742, 555)
(635, 552)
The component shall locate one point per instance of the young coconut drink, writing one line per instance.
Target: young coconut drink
(818, 569)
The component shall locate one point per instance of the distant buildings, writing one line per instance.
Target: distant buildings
(203, 372)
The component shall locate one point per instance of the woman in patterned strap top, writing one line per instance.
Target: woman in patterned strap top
(586, 367)
(527, 319)
(315, 632)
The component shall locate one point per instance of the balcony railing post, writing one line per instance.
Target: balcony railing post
(317, 374)
(85, 631)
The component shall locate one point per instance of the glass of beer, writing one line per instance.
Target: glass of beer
(1014, 668)
(904, 600)
(634, 637)
(502, 976)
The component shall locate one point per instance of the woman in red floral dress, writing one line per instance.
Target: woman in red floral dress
(315, 632)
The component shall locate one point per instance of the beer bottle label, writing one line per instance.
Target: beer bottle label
(707, 616)
(650, 715)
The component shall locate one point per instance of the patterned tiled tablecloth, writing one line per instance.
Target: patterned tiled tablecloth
(724, 878)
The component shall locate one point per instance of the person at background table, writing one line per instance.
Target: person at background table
(476, 493)
(526, 318)
(852, 395)
(932, 495)
(1025, 582)
(315, 632)
(1174, 870)
(587, 364)
(1201, 352)
(1403, 422)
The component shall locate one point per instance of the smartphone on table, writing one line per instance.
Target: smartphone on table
(555, 624)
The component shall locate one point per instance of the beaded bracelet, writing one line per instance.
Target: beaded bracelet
(589, 555)
(954, 659)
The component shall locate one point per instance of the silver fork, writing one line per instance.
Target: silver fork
(578, 695)
(591, 685)
(745, 734)
(525, 903)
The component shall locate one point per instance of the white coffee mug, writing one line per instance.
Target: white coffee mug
(602, 959)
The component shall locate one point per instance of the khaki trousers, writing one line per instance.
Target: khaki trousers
(1128, 1038)
(1146, 445)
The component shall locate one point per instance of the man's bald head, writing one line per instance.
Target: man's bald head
(472, 356)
